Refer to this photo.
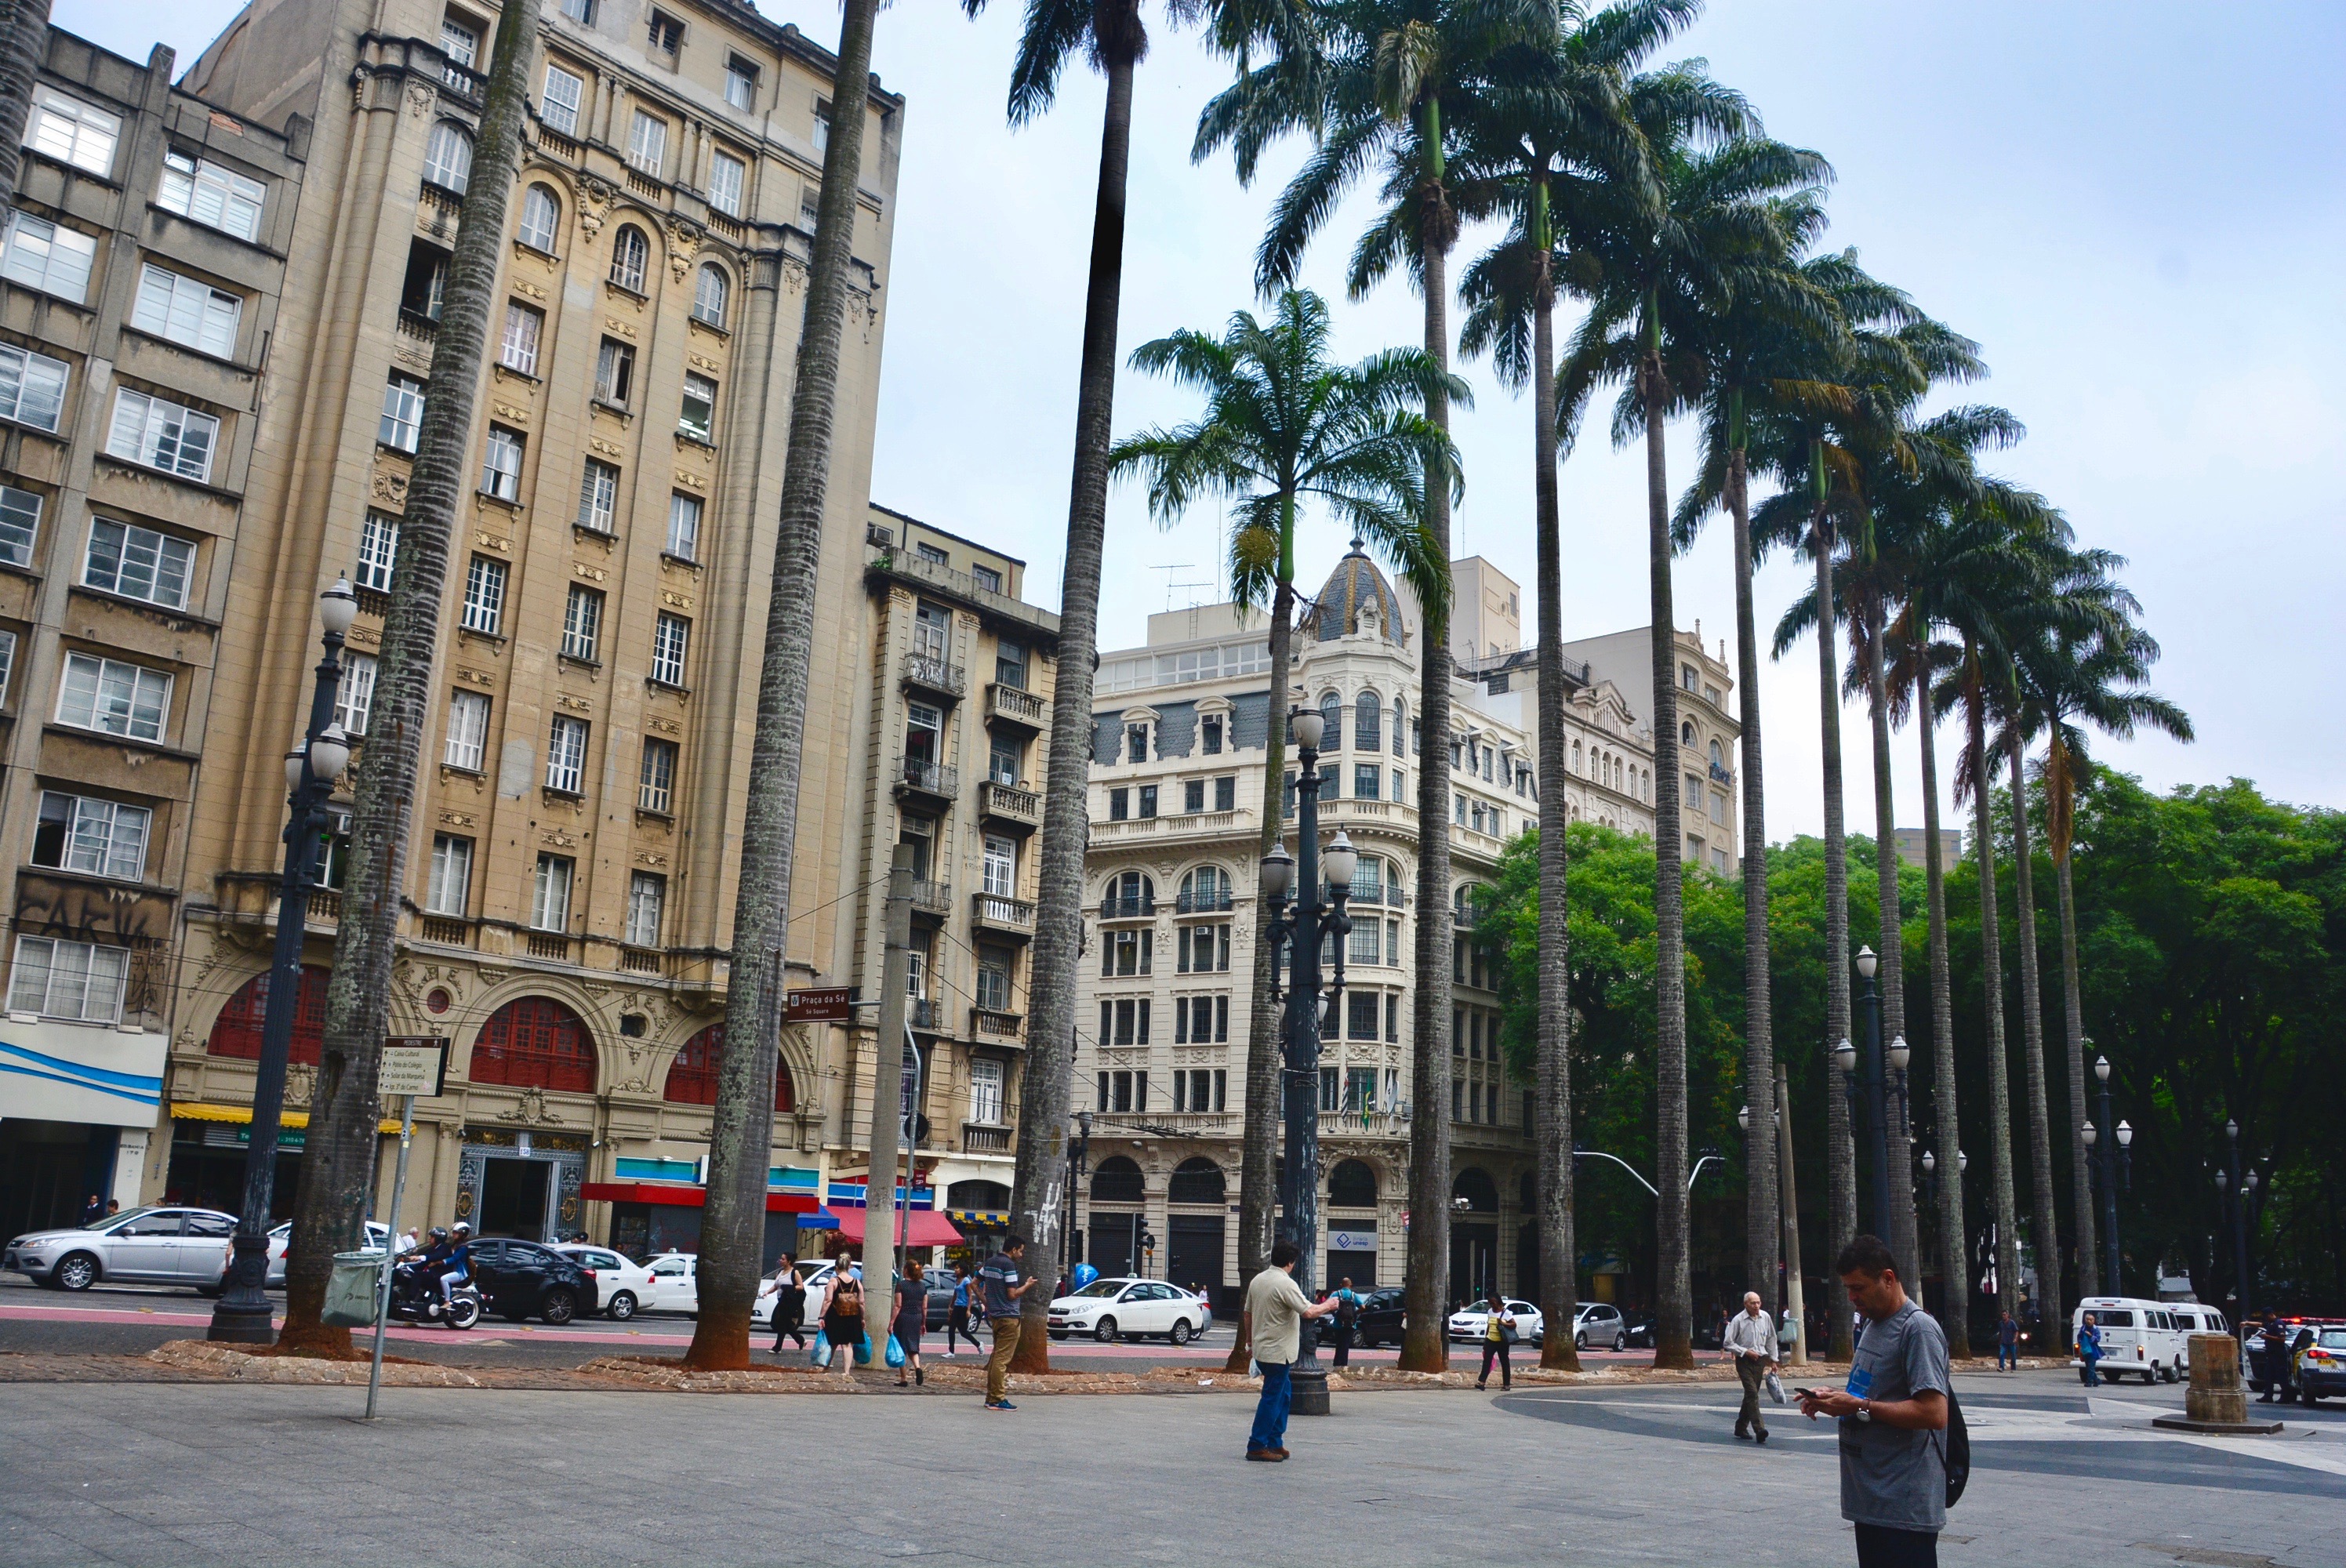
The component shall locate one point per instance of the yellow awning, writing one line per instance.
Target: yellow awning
(197, 1110)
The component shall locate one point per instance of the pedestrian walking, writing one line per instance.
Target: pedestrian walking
(1893, 1466)
(789, 1305)
(2007, 1344)
(1275, 1309)
(1498, 1339)
(1000, 1289)
(957, 1314)
(842, 1316)
(92, 1211)
(1348, 1319)
(2089, 1353)
(1751, 1338)
(910, 1320)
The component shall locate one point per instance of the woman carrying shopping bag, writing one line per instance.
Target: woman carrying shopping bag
(910, 1317)
(1498, 1339)
(842, 1316)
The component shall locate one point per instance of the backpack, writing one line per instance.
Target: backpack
(1958, 1451)
(1348, 1312)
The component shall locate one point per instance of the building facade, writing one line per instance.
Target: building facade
(1708, 732)
(140, 278)
(1177, 797)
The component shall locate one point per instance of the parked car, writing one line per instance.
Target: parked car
(1640, 1330)
(1599, 1324)
(523, 1280)
(1472, 1323)
(377, 1237)
(1381, 1319)
(2321, 1367)
(622, 1286)
(186, 1246)
(1110, 1309)
(2138, 1337)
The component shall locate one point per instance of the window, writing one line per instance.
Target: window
(1693, 850)
(1148, 801)
(1685, 733)
(985, 578)
(519, 349)
(501, 465)
(1364, 948)
(1128, 953)
(1010, 666)
(630, 256)
(727, 177)
(1718, 862)
(1718, 807)
(355, 697)
(41, 255)
(33, 390)
(1119, 805)
(378, 551)
(1193, 795)
(1367, 778)
(7, 661)
(809, 206)
(740, 83)
(656, 781)
(448, 158)
(541, 214)
(665, 34)
(926, 550)
(1209, 731)
(579, 11)
(139, 563)
(468, 731)
(821, 125)
(559, 107)
(582, 624)
(1368, 720)
(115, 698)
(1332, 714)
(615, 371)
(402, 412)
(549, 905)
(647, 891)
(598, 497)
(1694, 793)
(697, 418)
(711, 296)
(104, 838)
(219, 197)
(1688, 678)
(671, 634)
(1136, 743)
(186, 312)
(994, 966)
(72, 131)
(1002, 762)
(1001, 868)
(1200, 1020)
(76, 980)
(683, 525)
(460, 44)
(566, 756)
(485, 595)
(447, 888)
(647, 144)
(1329, 1090)
(1226, 793)
(1203, 949)
(986, 1091)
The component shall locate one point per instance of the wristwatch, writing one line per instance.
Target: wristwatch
(1865, 1410)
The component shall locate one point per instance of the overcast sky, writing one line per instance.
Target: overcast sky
(2135, 208)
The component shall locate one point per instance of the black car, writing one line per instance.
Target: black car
(1380, 1322)
(940, 1303)
(520, 1279)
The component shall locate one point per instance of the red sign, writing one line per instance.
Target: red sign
(831, 1004)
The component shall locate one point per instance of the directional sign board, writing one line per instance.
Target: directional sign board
(413, 1064)
(830, 1004)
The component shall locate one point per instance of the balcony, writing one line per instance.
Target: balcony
(446, 929)
(553, 946)
(1719, 775)
(641, 960)
(982, 1138)
(1216, 902)
(467, 84)
(930, 673)
(991, 1026)
(1008, 806)
(933, 899)
(923, 1013)
(991, 912)
(1128, 906)
(325, 907)
(941, 785)
(1187, 825)
(1009, 705)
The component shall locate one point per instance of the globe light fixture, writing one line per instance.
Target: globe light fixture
(1277, 871)
(1307, 726)
(1867, 962)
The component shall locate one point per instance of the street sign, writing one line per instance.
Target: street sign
(829, 1005)
(412, 1064)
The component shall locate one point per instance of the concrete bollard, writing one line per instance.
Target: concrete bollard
(2216, 1394)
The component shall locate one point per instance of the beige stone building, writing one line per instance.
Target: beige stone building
(140, 272)
(1708, 732)
(1175, 802)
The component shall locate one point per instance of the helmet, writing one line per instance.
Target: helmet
(463, 1229)
(439, 1233)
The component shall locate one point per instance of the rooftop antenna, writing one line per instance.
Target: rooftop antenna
(1170, 585)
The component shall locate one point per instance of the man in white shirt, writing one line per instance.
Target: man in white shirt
(1751, 1340)
(1275, 1309)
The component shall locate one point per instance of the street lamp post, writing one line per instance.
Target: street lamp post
(1867, 1084)
(2240, 1179)
(1303, 927)
(1079, 1162)
(2117, 1164)
(243, 1314)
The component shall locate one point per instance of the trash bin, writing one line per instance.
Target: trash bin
(353, 1289)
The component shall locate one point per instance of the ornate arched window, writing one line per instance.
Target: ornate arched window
(1205, 890)
(535, 1042)
(541, 218)
(693, 1076)
(631, 256)
(448, 158)
(1129, 893)
(1401, 728)
(1685, 733)
(1353, 1185)
(1718, 755)
(1476, 1185)
(1116, 1180)
(237, 1032)
(1368, 722)
(1196, 1181)
(711, 296)
(1332, 715)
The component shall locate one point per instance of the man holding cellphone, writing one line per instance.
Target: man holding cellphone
(1893, 1471)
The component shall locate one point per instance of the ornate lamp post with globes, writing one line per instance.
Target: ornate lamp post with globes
(243, 1314)
(2117, 1165)
(1302, 928)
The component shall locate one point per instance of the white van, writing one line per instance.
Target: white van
(2138, 1336)
(2196, 1318)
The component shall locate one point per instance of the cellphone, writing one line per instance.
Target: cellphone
(1810, 1393)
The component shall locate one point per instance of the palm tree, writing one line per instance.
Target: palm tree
(338, 1157)
(24, 44)
(741, 1122)
(1281, 423)
(1367, 79)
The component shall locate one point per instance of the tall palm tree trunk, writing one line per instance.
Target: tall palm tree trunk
(1425, 1343)
(741, 1122)
(1559, 1266)
(1673, 1283)
(2081, 1173)
(1903, 1245)
(338, 1158)
(1762, 1223)
(1040, 1200)
(24, 44)
(1999, 1068)
(2044, 1224)
(1841, 1151)
(1955, 1314)
(1257, 1178)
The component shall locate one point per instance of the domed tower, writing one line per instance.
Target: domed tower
(1356, 600)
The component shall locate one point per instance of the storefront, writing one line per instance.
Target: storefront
(208, 1150)
(80, 1105)
(655, 1208)
(520, 1183)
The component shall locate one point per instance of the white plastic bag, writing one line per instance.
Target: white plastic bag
(1776, 1388)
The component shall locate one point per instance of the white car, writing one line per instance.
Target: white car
(1109, 1309)
(623, 1287)
(376, 1235)
(2138, 1336)
(151, 1246)
(1475, 1320)
(676, 1287)
(1599, 1324)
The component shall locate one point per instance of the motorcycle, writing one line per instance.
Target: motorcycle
(416, 1300)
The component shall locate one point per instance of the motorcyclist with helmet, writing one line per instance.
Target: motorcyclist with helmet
(447, 1258)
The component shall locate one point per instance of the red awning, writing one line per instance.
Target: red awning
(681, 1196)
(928, 1228)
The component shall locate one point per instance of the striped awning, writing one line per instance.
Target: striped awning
(197, 1110)
(982, 1218)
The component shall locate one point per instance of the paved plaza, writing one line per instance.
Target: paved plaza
(192, 1475)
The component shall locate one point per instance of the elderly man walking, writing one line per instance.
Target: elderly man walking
(1751, 1338)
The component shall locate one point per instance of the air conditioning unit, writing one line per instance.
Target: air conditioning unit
(874, 534)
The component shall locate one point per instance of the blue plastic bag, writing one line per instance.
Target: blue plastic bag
(819, 1353)
(1084, 1275)
(895, 1352)
(863, 1350)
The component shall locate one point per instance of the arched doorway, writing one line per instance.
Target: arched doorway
(1475, 1235)
(1353, 1225)
(525, 1182)
(1113, 1243)
(1193, 1242)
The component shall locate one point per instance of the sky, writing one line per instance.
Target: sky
(2136, 208)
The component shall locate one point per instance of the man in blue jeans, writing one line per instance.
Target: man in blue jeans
(1275, 1309)
(2007, 1345)
(2089, 1353)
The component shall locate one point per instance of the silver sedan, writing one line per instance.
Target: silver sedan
(186, 1246)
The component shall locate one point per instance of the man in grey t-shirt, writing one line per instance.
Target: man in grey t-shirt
(1894, 1469)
